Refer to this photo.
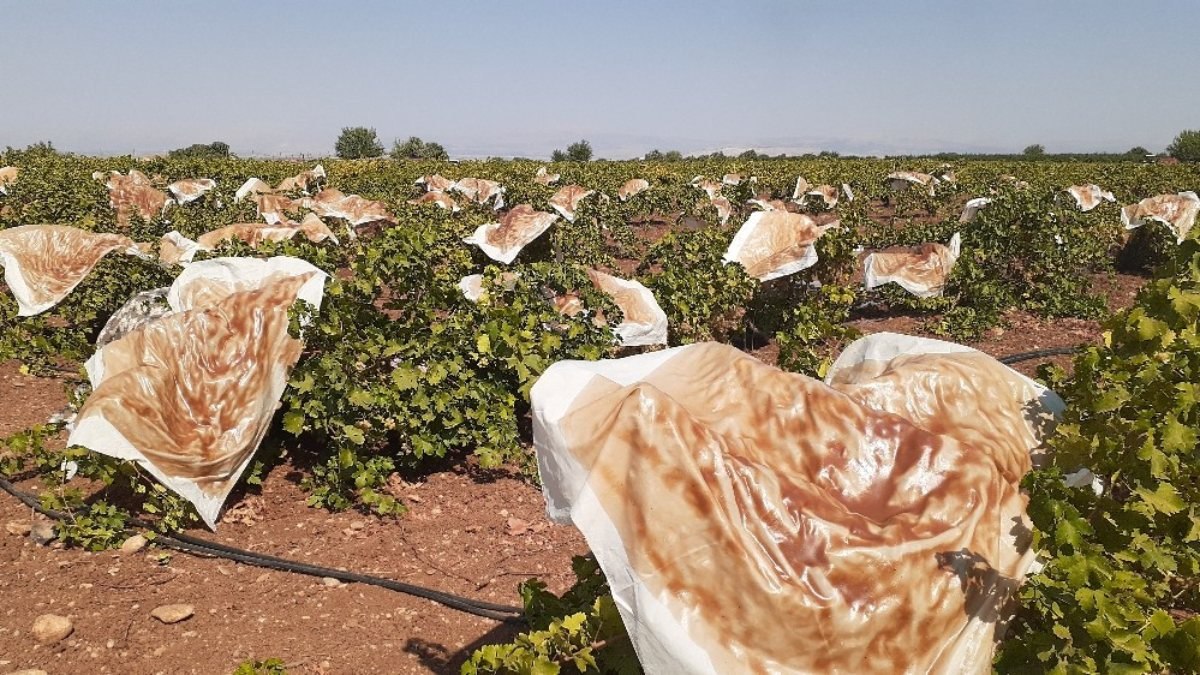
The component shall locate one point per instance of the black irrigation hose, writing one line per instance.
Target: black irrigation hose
(1037, 354)
(197, 546)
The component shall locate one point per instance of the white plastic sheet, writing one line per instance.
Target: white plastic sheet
(190, 395)
(751, 520)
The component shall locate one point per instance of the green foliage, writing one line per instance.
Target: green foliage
(1029, 249)
(579, 632)
(94, 523)
(1034, 151)
(1121, 584)
(704, 298)
(271, 666)
(215, 149)
(415, 148)
(579, 151)
(812, 334)
(660, 156)
(358, 143)
(1186, 146)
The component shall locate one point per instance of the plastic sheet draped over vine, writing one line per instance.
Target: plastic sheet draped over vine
(189, 394)
(44, 263)
(753, 520)
(921, 270)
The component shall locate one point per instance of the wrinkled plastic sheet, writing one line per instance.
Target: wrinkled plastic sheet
(517, 229)
(921, 270)
(44, 263)
(1177, 211)
(774, 244)
(189, 394)
(752, 520)
(644, 322)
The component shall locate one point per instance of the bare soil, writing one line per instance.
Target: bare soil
(467, 532)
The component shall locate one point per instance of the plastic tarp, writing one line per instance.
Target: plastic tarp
(8, 176)
(566, 200)
(544, 177)
(44, 263)
(1088, 197)
(645, 322)
(1177, 212)
(189, 190)
(632, 188)
(332, 203)
(753, 520)
(480, 190)
(134, 193)
(190, 395)
(517, 229)
(773, 244)
(920, 270)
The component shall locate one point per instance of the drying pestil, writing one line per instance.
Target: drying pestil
(754, 520)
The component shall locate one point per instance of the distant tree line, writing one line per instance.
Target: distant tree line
(201, 150)
(363, 143)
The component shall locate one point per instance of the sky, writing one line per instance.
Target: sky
(525, 77)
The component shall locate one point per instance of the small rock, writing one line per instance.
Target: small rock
(29, 671)
(160, 651)
(357, 525)
(516, 527)
(133, 544)
(42, 532)
(19, 528)
(50, 628)
(173, 613)
(331, 582)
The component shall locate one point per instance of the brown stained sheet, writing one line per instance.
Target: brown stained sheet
(332, 203)
(566, 200)
(771, 523)
(1177, 212)
(645, 323)
(435, 183)
(192, 394)
(1088, 197)
(436, 197)
(632, 188)
(920, 270)
(517, 229)
(134, 193)
(480, 190)
(544, 177)
(190, 189)
(968, 396)
(303, 181)
(44, 263)
(773, 244)
(8, 176)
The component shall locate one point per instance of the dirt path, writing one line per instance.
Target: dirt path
(457, 537)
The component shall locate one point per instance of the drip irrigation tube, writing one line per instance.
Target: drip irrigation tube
(1037, 354)
(198, 546)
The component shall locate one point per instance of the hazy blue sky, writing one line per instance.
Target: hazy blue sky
(525, 77)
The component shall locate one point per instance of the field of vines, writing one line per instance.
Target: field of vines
(400, 372)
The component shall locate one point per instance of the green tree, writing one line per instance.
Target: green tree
(358, 143)
(202, 150)
(1138, 152)
(415, 148)
(1035, 151)
(1186, 146)
(579, 151)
